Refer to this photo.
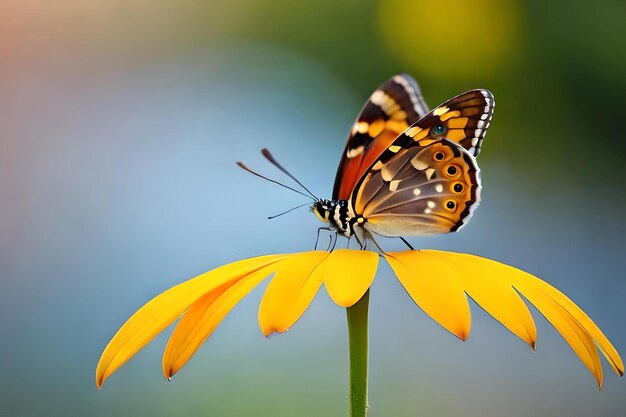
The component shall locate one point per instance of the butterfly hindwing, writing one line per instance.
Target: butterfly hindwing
(390, 110)
(421, 190)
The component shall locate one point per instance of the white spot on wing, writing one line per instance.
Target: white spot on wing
(419, 164)
(355, 151)
(386, 175)
(439, 188)
(440, 110)
(413, 131)
(400, 80)
(377, 97)
(407, 87)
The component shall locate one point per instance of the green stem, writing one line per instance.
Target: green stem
(357, 333)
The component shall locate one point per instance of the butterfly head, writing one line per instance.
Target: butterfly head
(322, 210)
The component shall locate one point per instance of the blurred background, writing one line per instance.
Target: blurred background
(120, 122)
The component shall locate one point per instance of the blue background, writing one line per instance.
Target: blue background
(120, 123)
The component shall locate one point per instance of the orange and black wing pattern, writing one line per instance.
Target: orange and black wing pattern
(390, 110)
(427, 181)
(463, 119)
(420, 191)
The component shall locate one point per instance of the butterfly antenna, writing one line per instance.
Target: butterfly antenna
(288, 211)
(241, 165)
(266, 153)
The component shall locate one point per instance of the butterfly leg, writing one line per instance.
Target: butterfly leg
(334, 242)
(318, 235)
(377, 245)
(371, 237)
(362, 244)
(406, 243)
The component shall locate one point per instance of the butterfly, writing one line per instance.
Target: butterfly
(405, 170)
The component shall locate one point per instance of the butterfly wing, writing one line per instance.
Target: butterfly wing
(464, 118)
(393, 107)
(420, 191)
(427, 181)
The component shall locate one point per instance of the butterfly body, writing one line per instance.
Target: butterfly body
(339, 214)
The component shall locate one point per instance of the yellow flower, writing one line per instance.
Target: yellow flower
(437, 281)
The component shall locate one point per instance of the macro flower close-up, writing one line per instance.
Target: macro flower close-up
(439, 282)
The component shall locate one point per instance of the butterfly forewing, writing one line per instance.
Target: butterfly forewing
(465, 119)
(393, 107)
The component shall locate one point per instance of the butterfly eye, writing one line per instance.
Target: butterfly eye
(439, 156)
(452, 170)
(458, 187)
(439, 129)
(450, 205)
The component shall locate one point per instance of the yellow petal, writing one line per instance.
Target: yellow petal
(203, 317)
(568, 319)
(525, 281)
(349, 274)
(434, 286)
(494, 293)
(291, 290)
(162, 310)
(576, 335)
